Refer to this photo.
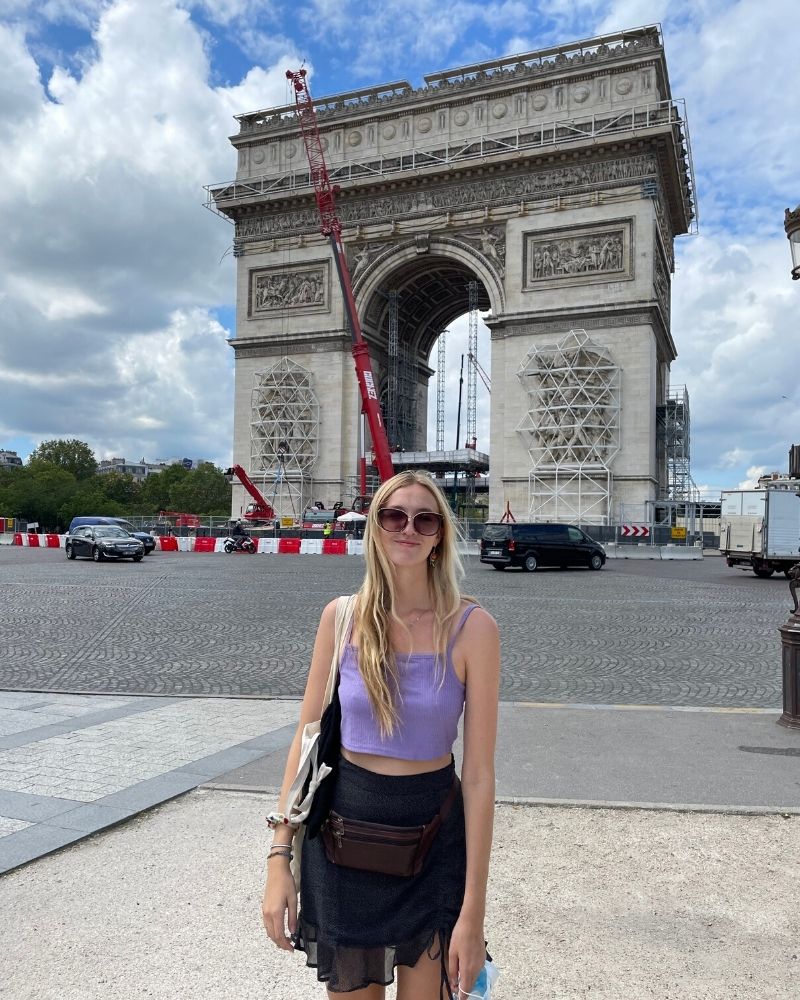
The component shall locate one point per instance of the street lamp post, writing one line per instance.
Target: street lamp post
(791, 223)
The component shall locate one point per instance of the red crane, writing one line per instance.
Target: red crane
(331, 227)
(259, 510)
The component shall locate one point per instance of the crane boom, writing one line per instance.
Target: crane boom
(331, 227)
(259, 509)
(484, 377)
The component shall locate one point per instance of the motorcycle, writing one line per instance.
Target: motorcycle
(240, 543)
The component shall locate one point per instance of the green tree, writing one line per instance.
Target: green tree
(89, 498)
(204, 491)
(156, 491)
(38, 493)
(119, 487)
(70, 454)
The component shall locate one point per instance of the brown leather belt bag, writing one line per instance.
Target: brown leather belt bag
(377, 847)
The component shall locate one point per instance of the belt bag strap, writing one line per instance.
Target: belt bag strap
(432, 828)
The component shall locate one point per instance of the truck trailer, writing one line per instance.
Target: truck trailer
(760, 529)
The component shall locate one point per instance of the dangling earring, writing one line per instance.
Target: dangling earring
(433, 556)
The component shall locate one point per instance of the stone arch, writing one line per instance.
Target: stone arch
(430, 276)
(413, 257)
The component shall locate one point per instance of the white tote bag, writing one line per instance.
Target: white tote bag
(310, 767)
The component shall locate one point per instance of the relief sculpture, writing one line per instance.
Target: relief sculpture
(576, 255)
(494, 191)
(492, 245)
(304, 287)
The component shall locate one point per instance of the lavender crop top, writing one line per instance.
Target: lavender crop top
(428, 710)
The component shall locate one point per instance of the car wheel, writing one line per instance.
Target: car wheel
(765, 574)
(596, 562)
(97, 555)
(69, 551)
(138, 558)
(530, 564)
(500, 568)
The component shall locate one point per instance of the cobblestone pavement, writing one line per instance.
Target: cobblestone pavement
(71, 765)
(694, 633)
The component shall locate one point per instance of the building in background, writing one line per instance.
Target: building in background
(9, 459)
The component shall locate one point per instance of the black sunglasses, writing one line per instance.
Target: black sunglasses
(426, 522)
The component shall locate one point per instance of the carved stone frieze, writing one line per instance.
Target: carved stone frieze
(299, 289)
(586, 255)
(569, 179)
(491, 240)
(661, 279)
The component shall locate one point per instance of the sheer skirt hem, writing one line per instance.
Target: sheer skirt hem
(345, 968)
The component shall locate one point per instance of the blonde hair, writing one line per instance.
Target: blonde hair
(376, 599)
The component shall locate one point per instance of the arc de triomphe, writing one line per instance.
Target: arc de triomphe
(558, 181)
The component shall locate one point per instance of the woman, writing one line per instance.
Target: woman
(419, 654)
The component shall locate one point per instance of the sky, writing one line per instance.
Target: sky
(117, 285)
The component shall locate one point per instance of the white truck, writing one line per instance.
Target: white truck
(760, 529)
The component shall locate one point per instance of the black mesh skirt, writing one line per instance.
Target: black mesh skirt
(357, 927)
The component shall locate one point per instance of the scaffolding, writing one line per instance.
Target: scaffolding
(571, 429)
(441, 390)
(674, 428)
(284, 436)
(400, 400)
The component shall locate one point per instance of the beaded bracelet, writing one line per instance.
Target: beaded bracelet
(276, 819)
(280, 852)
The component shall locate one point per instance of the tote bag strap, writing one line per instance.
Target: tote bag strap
(344, 616)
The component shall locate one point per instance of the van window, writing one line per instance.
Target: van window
(576, 535)
(496, 532)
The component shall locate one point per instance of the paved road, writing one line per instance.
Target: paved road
(694, 633)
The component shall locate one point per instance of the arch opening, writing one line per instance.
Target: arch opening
(407, 310)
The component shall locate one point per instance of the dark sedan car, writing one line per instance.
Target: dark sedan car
(103, 541)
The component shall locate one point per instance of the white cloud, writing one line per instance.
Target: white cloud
(109, 264)
(754, 473)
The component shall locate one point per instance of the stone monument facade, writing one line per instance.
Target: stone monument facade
(558, 180)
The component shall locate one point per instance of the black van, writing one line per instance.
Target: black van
(533, 545)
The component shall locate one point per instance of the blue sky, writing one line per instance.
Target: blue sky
(116, 294)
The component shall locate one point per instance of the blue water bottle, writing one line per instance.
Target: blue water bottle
(484, 984)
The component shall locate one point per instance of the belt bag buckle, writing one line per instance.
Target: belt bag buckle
(376, 847)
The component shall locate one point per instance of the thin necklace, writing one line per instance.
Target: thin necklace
(417, 620)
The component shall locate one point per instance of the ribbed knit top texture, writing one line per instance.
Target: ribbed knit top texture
(428, 708)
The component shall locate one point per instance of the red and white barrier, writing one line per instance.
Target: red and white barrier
(173, 543)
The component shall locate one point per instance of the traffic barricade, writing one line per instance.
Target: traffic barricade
(289, 546)
(52, 541)
(268, 545)
(168, 543)
(334, 546)
(18, 539)
(311, 546)
(205, 544)
(33, 541)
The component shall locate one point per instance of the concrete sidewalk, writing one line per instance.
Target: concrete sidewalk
(686, 889)
(72, 765)
(583, 903)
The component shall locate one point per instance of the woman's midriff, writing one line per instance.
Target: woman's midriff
(394, 766)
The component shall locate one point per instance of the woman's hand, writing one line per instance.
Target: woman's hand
(280, 900)
(467, 953)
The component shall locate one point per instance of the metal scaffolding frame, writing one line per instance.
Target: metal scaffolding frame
(571, 429)
(400, 401)
(663, 117)
(284, 435)
(441, 386)
(472, 371)
(674, 426)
